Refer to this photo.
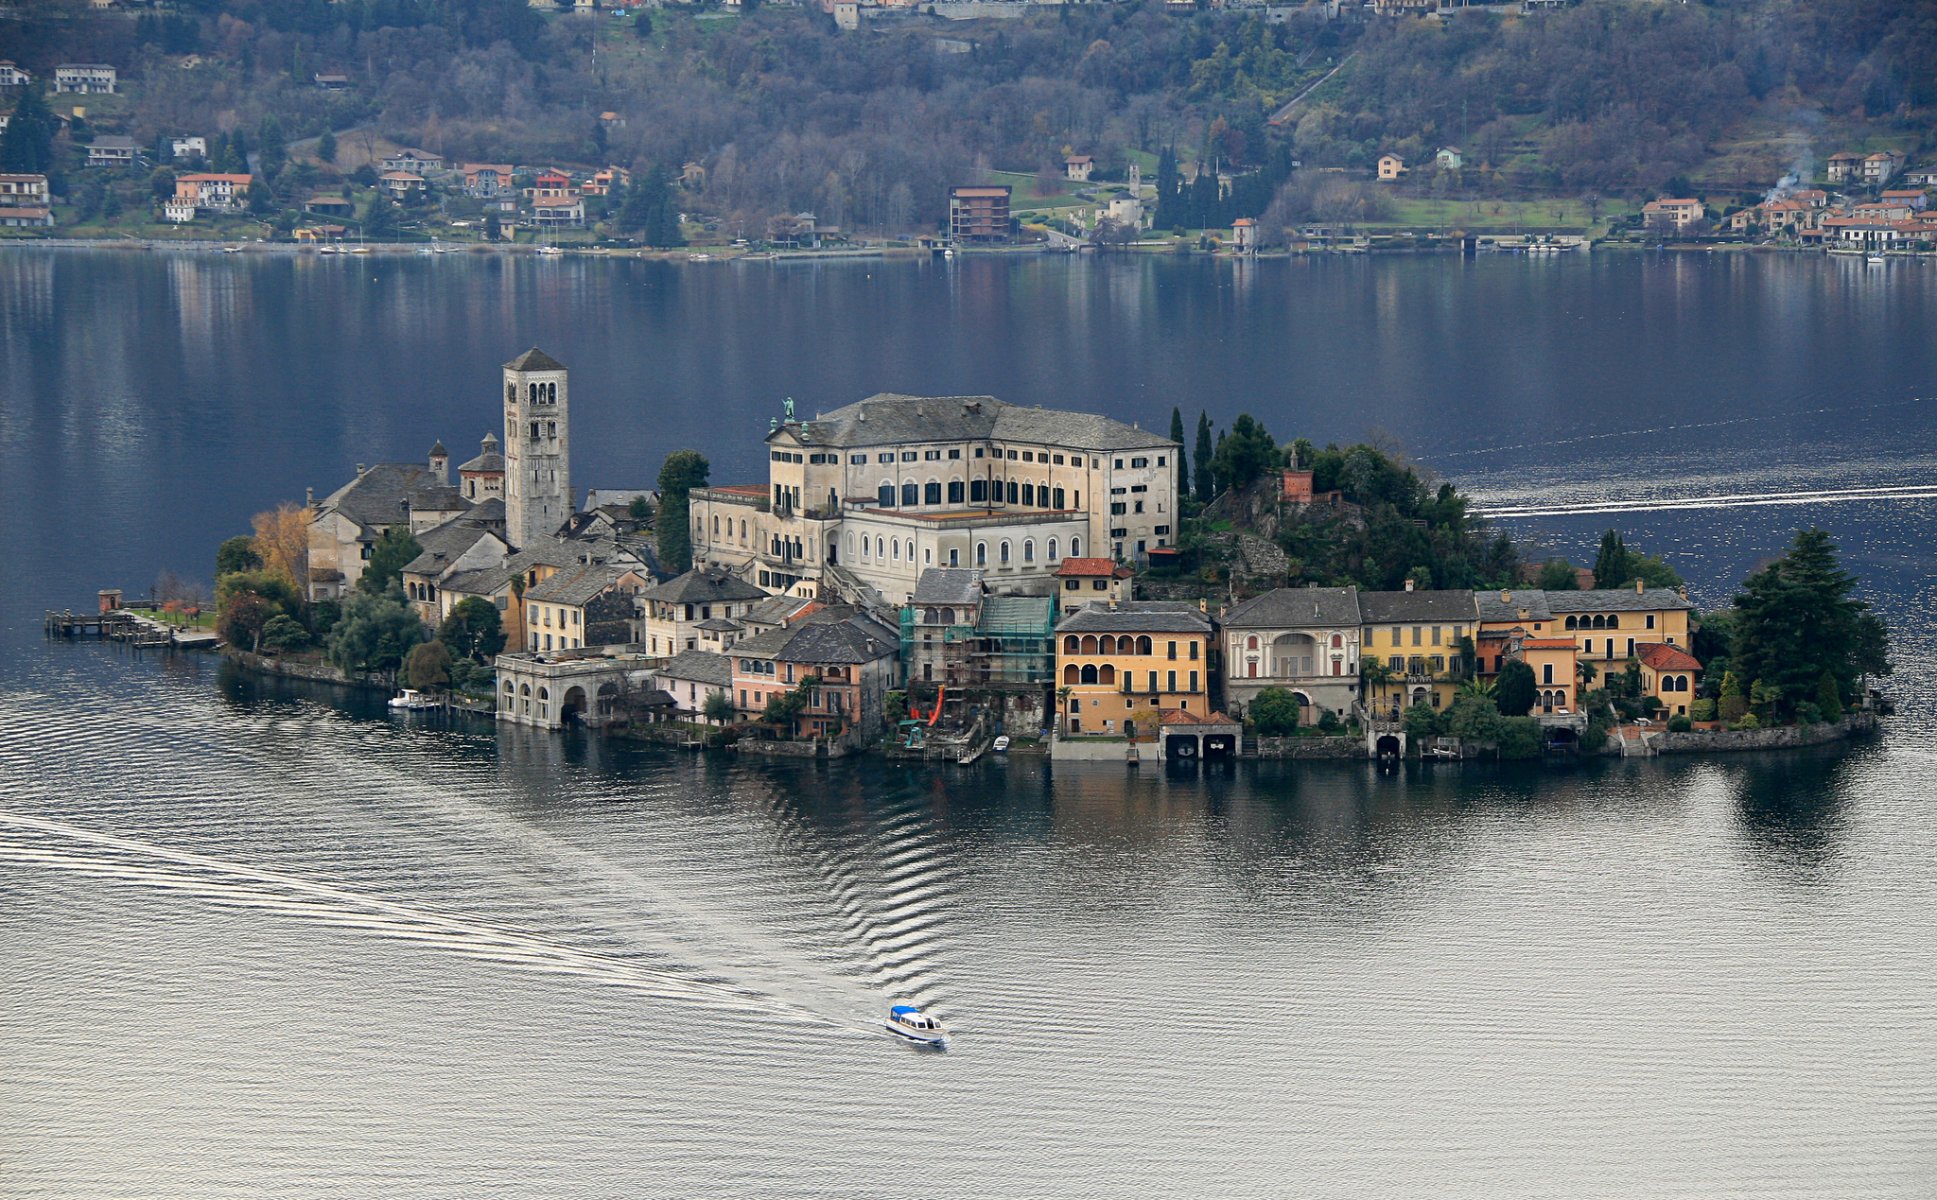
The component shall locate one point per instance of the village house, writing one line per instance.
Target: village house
(401, 185)
(210, 192)
(1085, 581)
(1077, 167)
(586, 604)
(1518, 625)
(1671, 215)
(187, 147)
(561, 213)
(604, 180)
(552, 185)
(1304, 640)
(417, 162)
(847, 661)
(1669, 674)
(111, 150)
(691, 678)
(871, 494)
(482, 478)
(12, 76)
(1914, 198)
(1881, 167)
(24, 202)
(483, 181)
(177, 211)
(473, 540)
(1604, 628)
(331, 81)
(1414, 636)
(1118, 667)
(1843, 167)
(325, 205)
(1244, 234)
(1390, 167)
(674, 610)
(1449, 159)
(84, 79)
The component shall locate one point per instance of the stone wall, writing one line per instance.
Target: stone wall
(1311, 747)
(1781, 737)
(319, 672)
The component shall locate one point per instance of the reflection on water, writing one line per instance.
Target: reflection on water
(1793, 808)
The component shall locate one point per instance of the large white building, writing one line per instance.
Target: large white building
(877, 491)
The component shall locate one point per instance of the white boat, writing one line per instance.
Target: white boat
(410, 699)
(1001, 744)
(1876, 260)
(905, 1020)
(548, 251)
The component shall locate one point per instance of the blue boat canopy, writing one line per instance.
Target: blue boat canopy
(902, 1010)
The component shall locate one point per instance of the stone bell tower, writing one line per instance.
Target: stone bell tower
(537, 448)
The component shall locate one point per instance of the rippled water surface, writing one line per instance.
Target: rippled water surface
(258, 940)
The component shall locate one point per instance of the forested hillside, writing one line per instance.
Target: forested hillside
(868, 128)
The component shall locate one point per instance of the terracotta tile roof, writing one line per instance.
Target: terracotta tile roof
(1179, 716)
(1659, 656)
(1090, 566)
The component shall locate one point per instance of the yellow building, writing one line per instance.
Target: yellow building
(1414, 638)
(1669, 674)
(1611, 624)
(585, 604)
(1120, 665)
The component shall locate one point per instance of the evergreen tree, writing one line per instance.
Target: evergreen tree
(1795, 620)
(1166, 215)
(1612, 563)
(388, 558)
(326, 147)
(1245, 453)
(683, 471)
(1183, 459)
(380, 218)
(27, 147)
(1514, 692)
(473, 629)
(273, 147)
(1202, 481)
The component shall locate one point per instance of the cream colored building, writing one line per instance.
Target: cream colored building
(875, 492)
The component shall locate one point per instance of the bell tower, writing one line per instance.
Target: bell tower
(537, 448)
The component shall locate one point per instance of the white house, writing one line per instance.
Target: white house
(84, 79)
(1304, 640)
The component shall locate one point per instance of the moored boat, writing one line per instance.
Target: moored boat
(410, 699)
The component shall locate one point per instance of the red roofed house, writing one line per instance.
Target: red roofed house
(1843, 166)
(1185, 735)
(1916, 198)
(213, 193)
(1879, 168)
(1669, 674)
(485, 180)
(1090, 581)
(552, 185)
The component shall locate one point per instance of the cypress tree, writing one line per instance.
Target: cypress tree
(1183, 467)
(1613, 565)
(1205, 452)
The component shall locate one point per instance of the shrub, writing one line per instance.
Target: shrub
(1680, 724)
(1422, 721)
(1748, 721)
(1519, 738)
(1702, 710)
(1276, 712)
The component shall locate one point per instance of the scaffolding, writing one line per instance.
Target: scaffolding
(1011, 643)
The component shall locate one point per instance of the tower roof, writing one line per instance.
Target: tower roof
(437, 449)
(534, 359)
(490, 441)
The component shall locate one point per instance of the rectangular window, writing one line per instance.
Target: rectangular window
(955, 453)
(1119, 464)
(1011, 455)
(1139, 506)
(1028, 456)
(1651, 620)
(1056, 498)
(1139, 462)
(1173, 652)
(1630, 646)
(907, 456)
(1153, 683)
(1116, 510)
(932, 455)
(1193, 681)
(1435, 635)
(884, 457)
(1059, 460)
(1103, 585)
(1396, 665)
(1162, 529)
(1193, 657)
(1070, 585)
(978, 491)
(979, 452)
(1415, 634)
(954, 491)
(1170, 684)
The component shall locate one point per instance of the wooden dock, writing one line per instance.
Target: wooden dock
(128, 626)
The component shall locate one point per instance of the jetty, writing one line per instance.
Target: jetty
(133, 623)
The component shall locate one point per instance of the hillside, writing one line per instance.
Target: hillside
(867, 129)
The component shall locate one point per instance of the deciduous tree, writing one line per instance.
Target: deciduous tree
(282, 541)
(473, 629)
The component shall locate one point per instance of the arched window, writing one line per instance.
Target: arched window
(981, 554)
(1089, 643)
(524, 689)
(1052, 549)
(1106, 676)
(1613, 622)
(1029, 550)
(1338, 643)
(931, 492)
(1143, 646)
(978, 491)
(1089, 674)
(895, 547)
(1071, 674)
(1076, 547)
(885, 495)
(1005, 550)
(1106, 644)
(948, 616)
(1012, 491)
(1029, 494)
(1251, 643)
(511, 393)
(880, 548)
(1570, 623)
(544, 693)
(911, 549)
(910, 494)
(954, 491)
(1069, 646)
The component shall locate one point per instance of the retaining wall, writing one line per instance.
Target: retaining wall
(1781, 737)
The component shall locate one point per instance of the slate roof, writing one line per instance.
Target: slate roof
(838, 636)
(1285, 608)
(1394, 608)
(891, 418)
(578, 584)
(488, 459)
(776, 610)
(1137, 616)
(448, 542)
(700, 666)
(719, 625)
(1506, 605)
(375, 498)
(488, 581)
(534, 359)
(704, 585)
(948, 585)
(1617, 600)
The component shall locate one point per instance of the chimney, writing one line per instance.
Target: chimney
(1506, 596)
(359, 470)
(1409, 585)
(1639, 587)
(309, 497)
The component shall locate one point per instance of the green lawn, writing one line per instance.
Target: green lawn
(1023, 192)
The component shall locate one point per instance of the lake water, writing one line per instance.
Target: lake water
(257, 940)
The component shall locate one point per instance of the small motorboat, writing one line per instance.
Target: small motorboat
(905, 1020)
(1001, 745)
(1876, 260)
(410, 700)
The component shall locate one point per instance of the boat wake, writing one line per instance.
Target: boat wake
(38, 841)
(1726, 500)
